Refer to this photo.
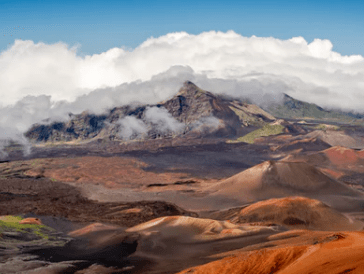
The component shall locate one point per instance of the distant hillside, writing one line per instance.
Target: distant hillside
(191, 112)
(292, 108)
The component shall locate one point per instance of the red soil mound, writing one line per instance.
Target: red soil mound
(342, 155)
(35, 221)
(297, 212)
(336, 253)
(92, 228)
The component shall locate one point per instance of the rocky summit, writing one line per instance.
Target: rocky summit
(192, 112)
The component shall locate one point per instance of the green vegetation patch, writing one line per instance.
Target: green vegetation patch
(11, 219)
(327, 127)
(266, 130)
(11, 224)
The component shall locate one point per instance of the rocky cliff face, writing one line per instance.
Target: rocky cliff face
(82, 126)
(191, 112)
(295, 109)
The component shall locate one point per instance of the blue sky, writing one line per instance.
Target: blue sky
(98, 26)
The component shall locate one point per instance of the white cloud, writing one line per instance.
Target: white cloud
(132, 128)
(56, 70)
(38, 69)
(162, 120)
(156, 119)
(208, 122)
(57, 80)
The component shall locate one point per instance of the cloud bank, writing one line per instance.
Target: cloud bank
(58, 71)
(158, 121)
(41, 80)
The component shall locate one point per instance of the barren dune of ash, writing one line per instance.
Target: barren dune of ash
(174, 243)
(190, 229)
(273, 179)
(296, 212)
(171, 243)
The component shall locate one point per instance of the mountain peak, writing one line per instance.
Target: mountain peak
(199, 112)
(190, 89)
(189, 85)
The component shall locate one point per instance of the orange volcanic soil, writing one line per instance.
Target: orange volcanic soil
(298, 212)
(334, 253)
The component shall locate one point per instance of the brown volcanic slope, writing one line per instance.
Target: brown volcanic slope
(318, 140)
(47, 198)
(296, 212)
(338, 138)
(302, 145)
(281, 179)
(307, 252)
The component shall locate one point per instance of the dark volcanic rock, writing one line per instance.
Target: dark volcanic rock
(82, 126)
